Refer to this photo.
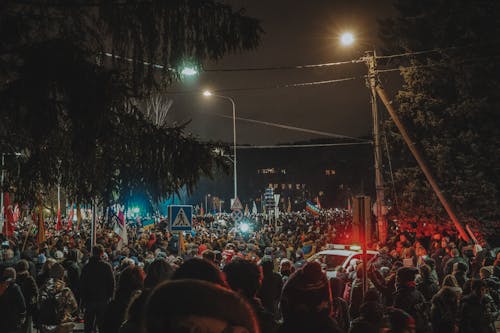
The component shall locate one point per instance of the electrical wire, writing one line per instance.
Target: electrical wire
(313, 145)
(291, 128)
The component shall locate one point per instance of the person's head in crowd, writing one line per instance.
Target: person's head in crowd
(459, 267)
(430, 262)
(267, 265)
(57, 271)
(467, 288)
(22, 266)
(425, 272)
(306, 293)
(9, 274)
(72, 255)
(130, 280)
(158, 271)
(286, 267)
(478, 287)
(485, 273)
(396, 265)
(399, 321)
(372, 312)
(244, 277)
(199, 269)
(455, 253)
(197, 306)
(47, 265)
(59, 256)
(98, 251)
(450, 281)
(8, 255)
(372, 295)
(405, 276)
(336, 287)
(208, 255)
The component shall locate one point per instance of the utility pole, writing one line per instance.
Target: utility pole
(371, 62)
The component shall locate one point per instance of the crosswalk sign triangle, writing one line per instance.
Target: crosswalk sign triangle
(236, 204)
(181, 219)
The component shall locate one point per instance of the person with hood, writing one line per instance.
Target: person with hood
(73, 271)
(410, 300)
(477, 310)
(57, 303)
(12, 305)
(460, 273)
(444, 311)
(97, 286)
(306, 302)
(30, 294)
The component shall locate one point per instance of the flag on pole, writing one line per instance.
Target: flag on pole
(70, 217)
(318, 204)
(40, 236)
(312, 208)
(120, 228)
(247, 211)
(8, 226)
(254, 209)
(59, 222)
(78, 216)
(289, 209)
(202, 211)
(17, 213)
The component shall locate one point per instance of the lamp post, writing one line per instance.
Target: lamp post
(347, 39)
(235, 168)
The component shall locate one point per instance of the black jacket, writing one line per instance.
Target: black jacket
(12, 307)
(29, 290)
(477, 314)
(409, 299)
(97, 283)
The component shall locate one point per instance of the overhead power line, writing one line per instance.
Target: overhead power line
(312, 145)
(291, 128)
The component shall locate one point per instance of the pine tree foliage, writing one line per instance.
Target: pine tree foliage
(450, 103)
(69, 108)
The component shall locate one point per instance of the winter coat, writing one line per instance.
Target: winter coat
(29, 290)
(477, 314)
(60, 299)
(444, 311)
(97, 283)
(428, 288)
(12, 307)
(73, 270)
(409, 299)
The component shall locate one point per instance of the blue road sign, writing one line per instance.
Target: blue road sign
(180, 217)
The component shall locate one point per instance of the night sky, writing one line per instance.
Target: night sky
(297, 32)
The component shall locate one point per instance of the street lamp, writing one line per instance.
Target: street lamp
(347, 38)
(208, 93)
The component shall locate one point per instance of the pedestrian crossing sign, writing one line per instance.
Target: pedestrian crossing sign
(180, 217)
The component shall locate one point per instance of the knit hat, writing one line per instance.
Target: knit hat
(406, 275)
(399, 320)
(306, 291)
(180, 305)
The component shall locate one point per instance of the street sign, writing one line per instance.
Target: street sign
(237, 215)
(236, 204)
(180, 217)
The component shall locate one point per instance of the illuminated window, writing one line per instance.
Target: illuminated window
(329, 172)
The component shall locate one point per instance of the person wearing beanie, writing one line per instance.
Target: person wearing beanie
(410, 300)
(306, 302)
(12, 305)
(197, 306)
(30, 293)
(57, 303)
(244, 276)
(444, 311)
(370, 318)
(427, 285)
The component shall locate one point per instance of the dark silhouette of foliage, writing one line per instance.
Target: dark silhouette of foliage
(449, 102)
(68, 107)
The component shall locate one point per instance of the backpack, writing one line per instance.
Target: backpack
(49, 313)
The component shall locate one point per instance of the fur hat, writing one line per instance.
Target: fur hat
(182, 304)
(306, 291)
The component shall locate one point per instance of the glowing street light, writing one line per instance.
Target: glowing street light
(347, 39)
(189, 71)
(208, 93)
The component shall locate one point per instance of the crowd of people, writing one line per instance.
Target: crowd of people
(218, 279)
